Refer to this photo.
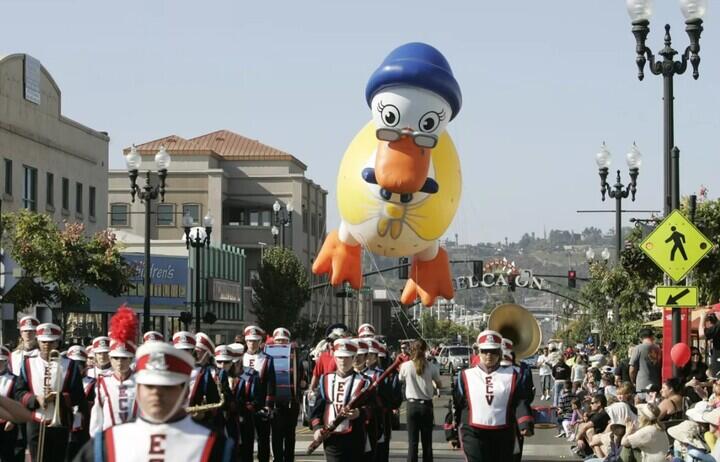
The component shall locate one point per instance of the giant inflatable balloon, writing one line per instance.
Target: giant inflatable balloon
(399, 182)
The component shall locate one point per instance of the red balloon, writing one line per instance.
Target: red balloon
(680, 354)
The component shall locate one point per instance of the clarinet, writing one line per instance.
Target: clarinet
(354, 403)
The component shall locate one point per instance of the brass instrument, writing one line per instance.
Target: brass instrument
(519, 325)
(204, 407)
(54, 364)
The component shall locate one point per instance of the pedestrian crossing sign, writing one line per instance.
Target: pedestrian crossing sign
(676, 246)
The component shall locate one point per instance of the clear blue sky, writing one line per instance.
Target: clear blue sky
(544, 83)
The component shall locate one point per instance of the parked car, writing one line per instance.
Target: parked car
(453, 358)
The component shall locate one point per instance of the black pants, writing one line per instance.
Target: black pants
(420, 422)
(246, 439)
(487, 445)
(346, 448)
(8, 442)
(283, 432)
(262, 432)
(56, 441)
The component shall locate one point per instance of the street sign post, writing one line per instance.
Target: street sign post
(676, 296)
(676, 246)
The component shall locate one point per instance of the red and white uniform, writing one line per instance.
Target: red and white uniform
(114, 404)
(183, 440)
(258, 361)
(42, 378)
(337, 392)
(490, 396)
(78, 417)
(7, 383)
(18, 356)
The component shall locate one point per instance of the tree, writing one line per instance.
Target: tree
(59, 264)
(281, 289)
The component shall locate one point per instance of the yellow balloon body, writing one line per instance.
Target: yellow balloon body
(391, 228)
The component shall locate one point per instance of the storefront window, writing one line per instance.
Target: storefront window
(79, 327)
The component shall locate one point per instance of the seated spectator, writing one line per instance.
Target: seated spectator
(606, 445)
(607, 385)
(713, 419)
(671, 406)
(689, 443)
(596, 421)
(651, 394)
(695, 368)
(564, 408)
(570, 426)
(647, 437)
(714, 399)
(625, 395)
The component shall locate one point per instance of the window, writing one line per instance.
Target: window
(304, 219)
(119, 215)
(30, 188)
(266, 220)
(313, 225)
(8, 177)
(65, 194)
(165, 214)
(91, 203)
(194, 211)
(50, 191)
(78, 198)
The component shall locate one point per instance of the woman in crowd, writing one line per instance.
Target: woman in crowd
(647, 437)
(579, 369)
(671, 406)
(545, 372)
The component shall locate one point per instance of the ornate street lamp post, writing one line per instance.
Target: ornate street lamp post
(283, 220)
(147, 194)
(197, 238)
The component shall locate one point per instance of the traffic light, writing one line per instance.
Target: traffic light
(478, 269)
(404, 270)
(571, 279)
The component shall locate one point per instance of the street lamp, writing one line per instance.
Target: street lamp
(282, 220)
(198, 238)
(604, 255)
(640, 12)
(147, 194)
(618, 191)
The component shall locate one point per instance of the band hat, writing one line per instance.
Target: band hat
(89, 350)
(159, 363)
(28, 323)
(489, 340)
(77, 353)
(366, 330)
(101, 345)
(382, 351)
(183, 340)
(236, 351)
(344, 348)
(48, 332)
(253, 333)
(373, 346)
(696, 412)
(122, 349)
(687, 432)
(223, 353)
(281, 334)
(203, 342)
(4, 353)
(362, 346)
(153, 336)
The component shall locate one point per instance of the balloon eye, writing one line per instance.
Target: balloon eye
(390, 115)
(429, 121)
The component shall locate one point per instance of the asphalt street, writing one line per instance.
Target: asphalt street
(541, 447)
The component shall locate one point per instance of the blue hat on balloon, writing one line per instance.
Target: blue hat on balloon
(419, 65)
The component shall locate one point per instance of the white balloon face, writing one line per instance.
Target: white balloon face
(413, 108)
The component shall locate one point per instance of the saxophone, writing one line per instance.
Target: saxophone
(203, 407)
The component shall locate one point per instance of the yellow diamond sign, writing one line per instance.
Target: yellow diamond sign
(676, 246)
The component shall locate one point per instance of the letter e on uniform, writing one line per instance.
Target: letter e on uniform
(489, 395)
(157, 448)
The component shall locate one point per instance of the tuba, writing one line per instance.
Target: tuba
(519, 325)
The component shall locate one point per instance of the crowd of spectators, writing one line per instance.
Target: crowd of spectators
(617, 409)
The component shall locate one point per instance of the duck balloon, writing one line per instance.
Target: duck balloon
(399, 182)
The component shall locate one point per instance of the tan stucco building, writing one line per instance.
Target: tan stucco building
(237, 180)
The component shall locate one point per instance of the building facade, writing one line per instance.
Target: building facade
(236, 180)
(48, 163)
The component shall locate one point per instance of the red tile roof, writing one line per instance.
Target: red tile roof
(222, 143)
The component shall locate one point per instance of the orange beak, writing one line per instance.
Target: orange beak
(400, 166)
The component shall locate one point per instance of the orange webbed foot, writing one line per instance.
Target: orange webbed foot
(429, 280)
(341, 261)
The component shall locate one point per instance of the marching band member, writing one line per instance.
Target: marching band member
(36, 390)
(205, 383)
(226, 371)
(79, 431)
(372, 408)
(28, 346)
(389, 397)
(286, 412)
(90, 364)
(164, 431)
(115, 397)
(264, 387)
(325, 362)
(8, 429)
(153, 336)
(347, 442)
(366, 331)
(248, 401)
(490, 400)
(101, 357)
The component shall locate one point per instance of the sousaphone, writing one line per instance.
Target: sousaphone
(519, 325)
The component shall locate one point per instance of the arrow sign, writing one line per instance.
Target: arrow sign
(676, 296)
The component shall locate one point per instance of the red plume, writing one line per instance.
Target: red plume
(124, 325)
